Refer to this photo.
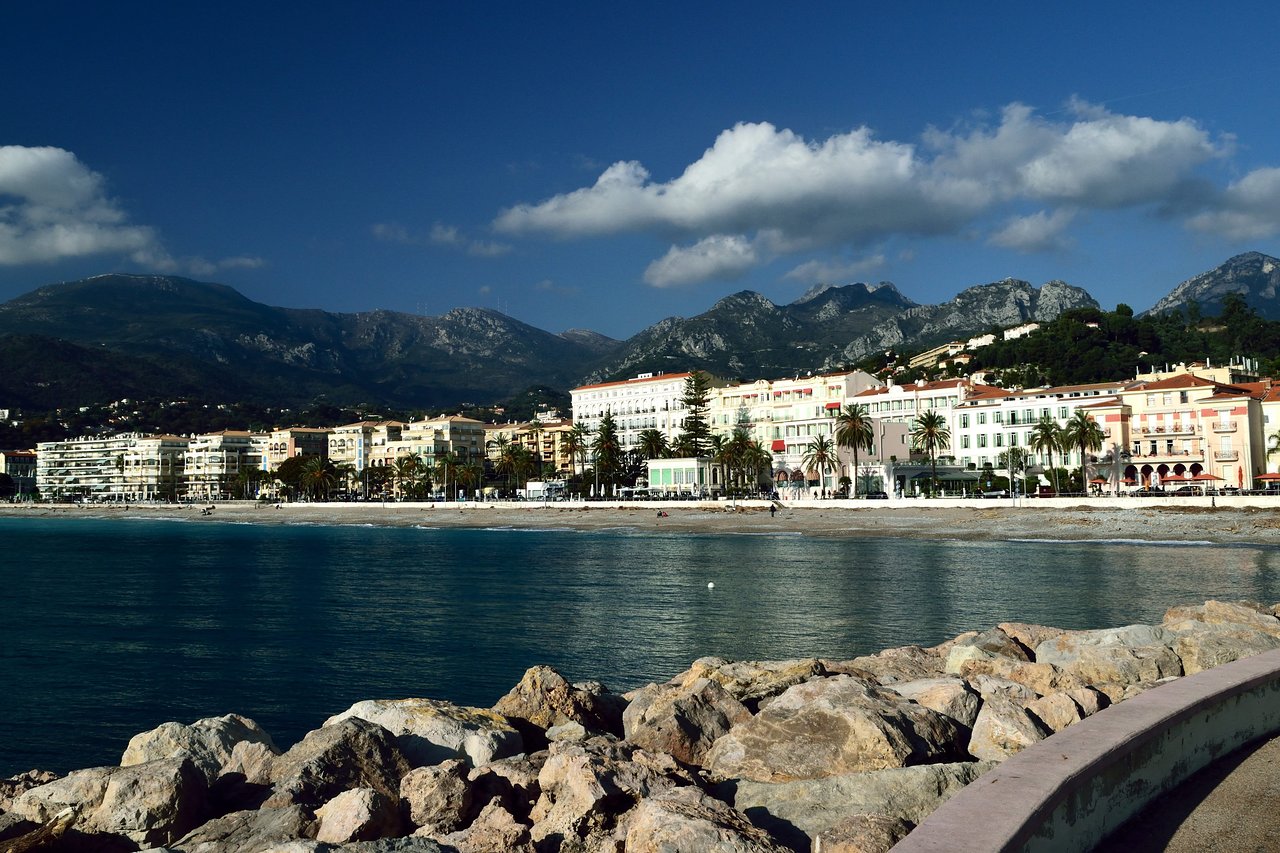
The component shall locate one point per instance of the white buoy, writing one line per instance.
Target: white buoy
(711, 586)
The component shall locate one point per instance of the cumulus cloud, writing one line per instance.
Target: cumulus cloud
(1041, 231)
(1248, 209)
(773, 191)
(835, 269)
(448, 236)
(53, 207)
(718, 256)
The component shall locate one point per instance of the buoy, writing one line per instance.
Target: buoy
(711, 586)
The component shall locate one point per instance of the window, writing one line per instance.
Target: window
(964, 422)
(982, 417)
(1013, 439)
(1062, 412)
(964, 442)
(999, 439)
(998, 417)
(982, 441)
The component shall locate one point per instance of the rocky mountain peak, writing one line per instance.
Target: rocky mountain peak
(1253, 275)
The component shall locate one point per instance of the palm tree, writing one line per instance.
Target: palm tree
(317, 477)
(607, 450)
(853, 430)
(576, 443)
(408, 469)
(1045, 438)
(1083, 432)
(929, 433)
(652, 444)
(347, 475)
(446, 469)
(1273, 443)
(819, 455)
(757, 459)
(470, 476)
(535, 427)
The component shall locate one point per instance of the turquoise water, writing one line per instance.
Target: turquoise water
(110, 627)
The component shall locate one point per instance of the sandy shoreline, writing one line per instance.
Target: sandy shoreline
(1102, 520)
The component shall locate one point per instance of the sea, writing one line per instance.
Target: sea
(109, 627)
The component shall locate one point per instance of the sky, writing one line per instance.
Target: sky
(606, 165)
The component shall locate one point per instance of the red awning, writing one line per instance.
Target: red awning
(833, 405)
(779, 445)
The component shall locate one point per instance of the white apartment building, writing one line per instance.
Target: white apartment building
(129, 466)
(649, 401)
(212, 464)
(360, 443)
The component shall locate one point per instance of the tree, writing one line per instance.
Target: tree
(407, 471)
(1014, 462)
(652, 444)
(695, 434)
(535, 427)
(1084, 433)
(1046, 438)
(819, 455)
(318, 477)
(447, 465)
(576, 443)
(929, 434)
(853, 430)
(8, 486)
(289, 473)
(607, 450)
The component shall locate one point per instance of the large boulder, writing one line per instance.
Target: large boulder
(361, 814)
(585, 788)
(544, 699)
(350, 753)
(951, 697)
(21, 783)
(751, 681)
(682, 719)
(1256, 616)
(1204, 645)
(1128, 655)
(687, 819)
(1056, 711)
(495, 830)
(429, 731)
(153, 803)
(1029, 635)
(831, 726)
(907, 663)
(863, 833)
(81, 790)
(513, 782)
(250, 831)
(1004, 727)
(1042, 678)
(209, 742)
(814, 806)
(437, 798)
(996, 641)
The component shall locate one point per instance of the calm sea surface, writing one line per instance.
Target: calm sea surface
(110, 627)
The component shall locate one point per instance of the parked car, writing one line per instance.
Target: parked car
(1147, 493)
(996, 493)
(1186, 490)
(877, 496)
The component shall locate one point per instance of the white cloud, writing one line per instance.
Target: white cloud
(1248, 209)
(772, 189)
(53, 207)
(440, 234)
(1041, 231)
(835, 269)
(719, 256)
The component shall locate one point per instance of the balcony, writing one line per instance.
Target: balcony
(1224, 426)
(1170, 431)
(1178, 455)
(1226, 455)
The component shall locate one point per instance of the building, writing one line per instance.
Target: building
(285, 444)
(649, 401)
(440, 446)
(360, 443)
(546, 437)
(222, 465)
(130, 466)
(21, 466)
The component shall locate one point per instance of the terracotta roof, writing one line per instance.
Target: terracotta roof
(1182, 380)
(662, 377)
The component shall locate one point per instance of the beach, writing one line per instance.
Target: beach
(1231, 521)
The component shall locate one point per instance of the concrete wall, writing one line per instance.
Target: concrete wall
(1071, 790)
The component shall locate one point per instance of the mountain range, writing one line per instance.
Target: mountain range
(113, 336)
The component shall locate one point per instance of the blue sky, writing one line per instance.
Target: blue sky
(607, 165)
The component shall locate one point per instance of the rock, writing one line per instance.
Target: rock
(586, 787)
(1125, 655)
(249, 831)
(1089, 700)
(252, 761)
(495, 830)
(209, 742)
(21, 783)
(567, 731)
(1003, 728)
(1202, 645)
(153, 803)
(351, 753)
(12, 826)
(863, 833)
(992, 685)
(438, 798)
(1041, 678)
(1055, 711)
(1249, 613)
(908, 663)
(961, 654)
(544, 699)
(951, 697)
(81, 790)
(33, 838)
(428, 731)
(382, 845)
(361, 814)
(793, 811)
(513, 782)
(995, 641)
(1029, 636)
(686, 819)
(683, 720)
(832, 726)
(751, 681)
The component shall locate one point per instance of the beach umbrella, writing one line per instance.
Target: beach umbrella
(1204, 477)
(1268, 478)
(1240, 477)
(1174, 478)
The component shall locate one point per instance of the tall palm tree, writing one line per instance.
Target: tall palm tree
(576, 443)
(1084, 433)
(447, 465)
(819, 455)
(757, 459)
(652, 444)
(407, 470)
(853, 430)
(930, 433)
(535, 427)
(470, 476)
(317, 477)
(1045, 438)
(346, 475)
(607, 450)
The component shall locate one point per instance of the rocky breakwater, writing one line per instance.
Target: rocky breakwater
(727, 756)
